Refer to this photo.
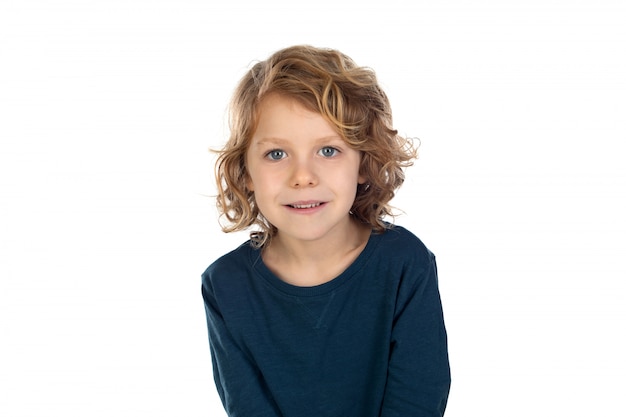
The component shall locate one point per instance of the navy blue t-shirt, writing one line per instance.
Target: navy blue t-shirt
(370, 342)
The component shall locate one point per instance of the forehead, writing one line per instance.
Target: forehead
(275, 104)
(284, 118)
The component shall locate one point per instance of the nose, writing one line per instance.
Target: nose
(303, 175)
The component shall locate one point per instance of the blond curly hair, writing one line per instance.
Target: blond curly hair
(348, 96)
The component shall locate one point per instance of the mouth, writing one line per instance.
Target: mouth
(302, 206)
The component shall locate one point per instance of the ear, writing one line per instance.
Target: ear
(362, 179)
(249, 183)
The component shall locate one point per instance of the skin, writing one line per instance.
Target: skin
(304, 177)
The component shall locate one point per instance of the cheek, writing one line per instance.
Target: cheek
(349, 181)
(262, 184)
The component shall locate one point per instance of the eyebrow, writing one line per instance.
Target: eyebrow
(272, 140)
(281, 142)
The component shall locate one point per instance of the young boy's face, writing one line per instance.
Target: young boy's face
(303, 174)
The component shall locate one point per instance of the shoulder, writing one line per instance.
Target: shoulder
(404, 260)
(412, 268)
(229, 266)
(397, 242)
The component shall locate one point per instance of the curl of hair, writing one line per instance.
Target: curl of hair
(348, 97)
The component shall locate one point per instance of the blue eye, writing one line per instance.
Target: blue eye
(328, 151)
(275, 154)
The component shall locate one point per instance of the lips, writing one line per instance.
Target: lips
(304, 205)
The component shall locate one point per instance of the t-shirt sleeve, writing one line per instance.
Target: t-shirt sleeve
(418, 380)
(238, 380)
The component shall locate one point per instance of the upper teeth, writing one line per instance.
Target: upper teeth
(305, 206)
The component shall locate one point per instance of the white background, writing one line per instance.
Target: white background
(108, 107)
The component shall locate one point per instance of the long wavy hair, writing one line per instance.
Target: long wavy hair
(349, 97)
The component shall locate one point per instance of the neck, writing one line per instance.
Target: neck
(309, 263)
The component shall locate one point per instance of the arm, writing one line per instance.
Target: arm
(239, 382)
(418, 378)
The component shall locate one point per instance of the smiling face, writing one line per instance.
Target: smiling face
(303, 174)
